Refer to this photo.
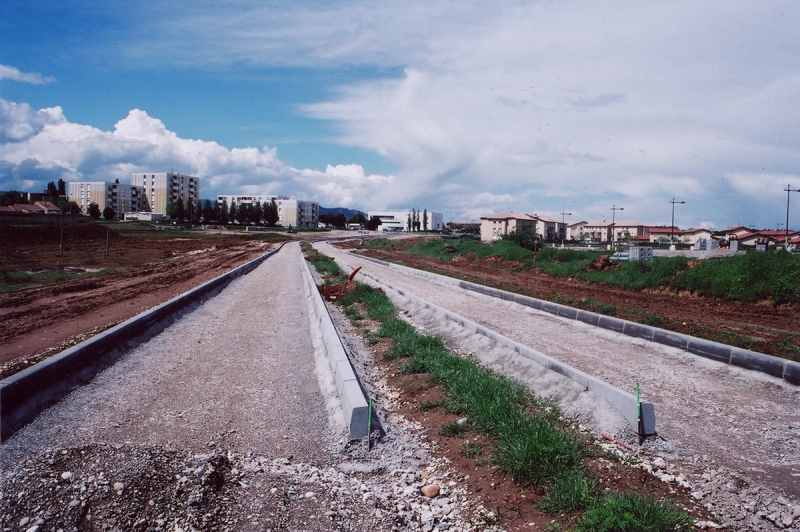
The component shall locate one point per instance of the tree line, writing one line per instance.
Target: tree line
(208, 211)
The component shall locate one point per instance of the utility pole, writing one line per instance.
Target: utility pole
(672, 226)
(563, 227)
(614, 210)
(787, 190)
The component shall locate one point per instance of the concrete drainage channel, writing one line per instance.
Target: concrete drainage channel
(25, 394)
(787, 370)
(625, 403)
(354, 404)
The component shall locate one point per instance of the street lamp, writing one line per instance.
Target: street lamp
(614, 210)
(563, 227)
(787, 190)
(672, 226)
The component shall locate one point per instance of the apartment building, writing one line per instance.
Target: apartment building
(290, 211)
(398, 220)
(494, 226)
(166, 187)
(120, 197)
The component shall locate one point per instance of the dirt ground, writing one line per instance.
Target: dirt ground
(769, 326)
(73, 296)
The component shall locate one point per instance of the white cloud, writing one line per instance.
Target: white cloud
(14, 74)
(40, 146)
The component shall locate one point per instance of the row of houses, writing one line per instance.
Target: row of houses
(404, 220)
(39, 207)
(550, 230)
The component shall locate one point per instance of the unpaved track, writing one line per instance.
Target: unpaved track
(715, 415)
(239, 371)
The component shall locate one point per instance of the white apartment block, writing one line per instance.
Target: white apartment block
(494, 226)
(120, 197)
(398, 220)
(166, 187)
(290, 211)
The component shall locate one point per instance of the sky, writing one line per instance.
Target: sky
(466, 108)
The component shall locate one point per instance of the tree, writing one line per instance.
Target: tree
(255, 216)
(408, 227)
(198, 210)
(340, 221)
(425, 220)
(52, 190)
(94, 210)
(232, 212)
(108, 213)
(172, 211)
(373, 223)
(358, 218)
(70, 207)
(208, 211)
(243, 213)
(223, 214)
(525, 237)
(11, 197)
(116, 181)
(62, 187)
(180, 209)
(271, 213)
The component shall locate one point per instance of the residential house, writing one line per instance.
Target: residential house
(494, 226)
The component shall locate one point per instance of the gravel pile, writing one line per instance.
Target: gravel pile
(125, 487)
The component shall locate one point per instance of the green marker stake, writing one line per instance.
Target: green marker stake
(369, 423)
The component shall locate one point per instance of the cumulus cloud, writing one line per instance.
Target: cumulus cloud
(14, 74)
(41, 146)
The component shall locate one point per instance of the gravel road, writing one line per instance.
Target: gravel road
(227, 420)
(740, 429)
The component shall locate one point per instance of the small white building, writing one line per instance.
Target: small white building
(399, 220)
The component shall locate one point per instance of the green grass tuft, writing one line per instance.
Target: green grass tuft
(629, 512)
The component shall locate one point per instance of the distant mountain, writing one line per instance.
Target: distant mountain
(348, 213)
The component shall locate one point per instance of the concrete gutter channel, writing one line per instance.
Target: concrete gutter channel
(25, 394)
(351, 395)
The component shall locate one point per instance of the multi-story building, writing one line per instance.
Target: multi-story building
(166, 187)
(290, 211)
(120, 197)
(398, 220)
(494, 226)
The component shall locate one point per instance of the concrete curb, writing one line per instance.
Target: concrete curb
(25, 394)
(623, 402)
(781, 368)
(356, 409)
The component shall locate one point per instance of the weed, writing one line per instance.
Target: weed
(471, 450)
(427, 406)
(570, 491)
(552, 527)
(786, 344)
(654, 320)
(454, 429)
(632, 512)
(607, 309)
(735, 339)
(353, 313)
(561, 299)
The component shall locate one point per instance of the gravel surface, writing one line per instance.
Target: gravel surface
(224, 421)
(733, 434)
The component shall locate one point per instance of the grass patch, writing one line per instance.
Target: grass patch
(454, 430)
(427, 406)
(17, 280)
(324, 265)
(742, 341)
(534, 446)
(654, 320)
(629, 512)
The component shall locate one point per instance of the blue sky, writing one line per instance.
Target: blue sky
(465, 108)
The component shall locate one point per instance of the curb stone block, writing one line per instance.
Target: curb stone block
(671, 339)
(590, 318)
(791, 372)
(637, 330)
(759, 362)
(612, 324)
(711, 350)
